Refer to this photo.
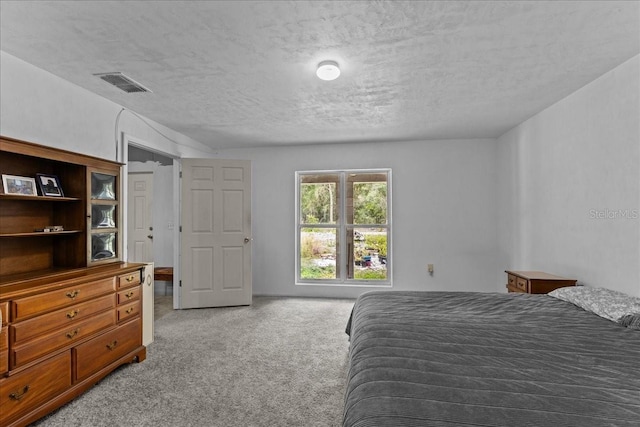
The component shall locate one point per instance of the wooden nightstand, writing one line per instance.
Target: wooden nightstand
(535, 282)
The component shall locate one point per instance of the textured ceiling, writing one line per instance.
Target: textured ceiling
(234, 74)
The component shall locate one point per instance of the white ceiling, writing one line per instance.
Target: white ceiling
(237, 74)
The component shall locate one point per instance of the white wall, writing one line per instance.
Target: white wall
(564, 167)
(552, 171)
(37, 106)
(162, 214)
(444, 212)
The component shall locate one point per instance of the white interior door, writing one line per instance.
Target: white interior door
(215, 248)
(140, 217)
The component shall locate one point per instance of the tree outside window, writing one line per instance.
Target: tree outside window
(347, 210)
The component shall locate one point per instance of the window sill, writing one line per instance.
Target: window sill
(362, 284)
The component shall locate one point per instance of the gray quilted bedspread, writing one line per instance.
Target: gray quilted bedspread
(473, 359)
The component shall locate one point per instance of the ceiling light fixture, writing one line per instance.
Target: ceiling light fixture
(328, 70)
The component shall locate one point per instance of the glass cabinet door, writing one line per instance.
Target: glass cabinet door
(104, 216)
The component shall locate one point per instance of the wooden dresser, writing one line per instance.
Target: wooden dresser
(71, 309)
(535, 282)
(65, 335)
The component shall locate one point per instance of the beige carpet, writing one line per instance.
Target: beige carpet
(280, 362)
(162, 305)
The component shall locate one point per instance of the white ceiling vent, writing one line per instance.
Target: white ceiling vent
(122, 82)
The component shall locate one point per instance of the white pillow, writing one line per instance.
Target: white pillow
(612, 305)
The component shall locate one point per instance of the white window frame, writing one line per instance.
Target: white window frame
(342, 227)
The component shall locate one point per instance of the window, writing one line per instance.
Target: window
(343, 227)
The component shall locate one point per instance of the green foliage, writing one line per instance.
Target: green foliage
(370, 203)
(368, 274)
(309, 271)
(318, 203)
(310, 247)
(377, 242)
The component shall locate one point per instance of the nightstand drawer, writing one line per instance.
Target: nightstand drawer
(521, 284)
(31, 387)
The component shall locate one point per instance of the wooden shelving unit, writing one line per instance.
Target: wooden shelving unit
(71, 310)
(23, 248)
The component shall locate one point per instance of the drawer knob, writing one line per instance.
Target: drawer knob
(17, 395)
(130, 278)
(72, 314)
(129, 294)
(112, 344)
(130, 310)
(72, 294)
(73, 333)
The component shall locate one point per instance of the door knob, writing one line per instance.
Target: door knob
(150, 236)
(247, 240)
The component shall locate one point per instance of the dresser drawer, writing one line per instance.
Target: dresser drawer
(128, 295)
(4, 349)
(106, 348)
(29, 388)
(4, 312)
(126, 280)
(66, 317)
(511, 281)
(30, 306)
(60, 338)
(128, 311)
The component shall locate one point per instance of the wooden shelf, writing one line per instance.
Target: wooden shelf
(40, 233)
(38, 198)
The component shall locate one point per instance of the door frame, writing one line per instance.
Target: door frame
(128, 140)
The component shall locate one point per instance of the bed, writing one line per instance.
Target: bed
(475, 359)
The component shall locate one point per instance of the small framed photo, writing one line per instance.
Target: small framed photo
(49, 185)
(19, 185)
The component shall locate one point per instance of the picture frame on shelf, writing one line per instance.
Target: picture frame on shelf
(49, 185)
(19, 185)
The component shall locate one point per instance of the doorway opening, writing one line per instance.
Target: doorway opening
(150, 219)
